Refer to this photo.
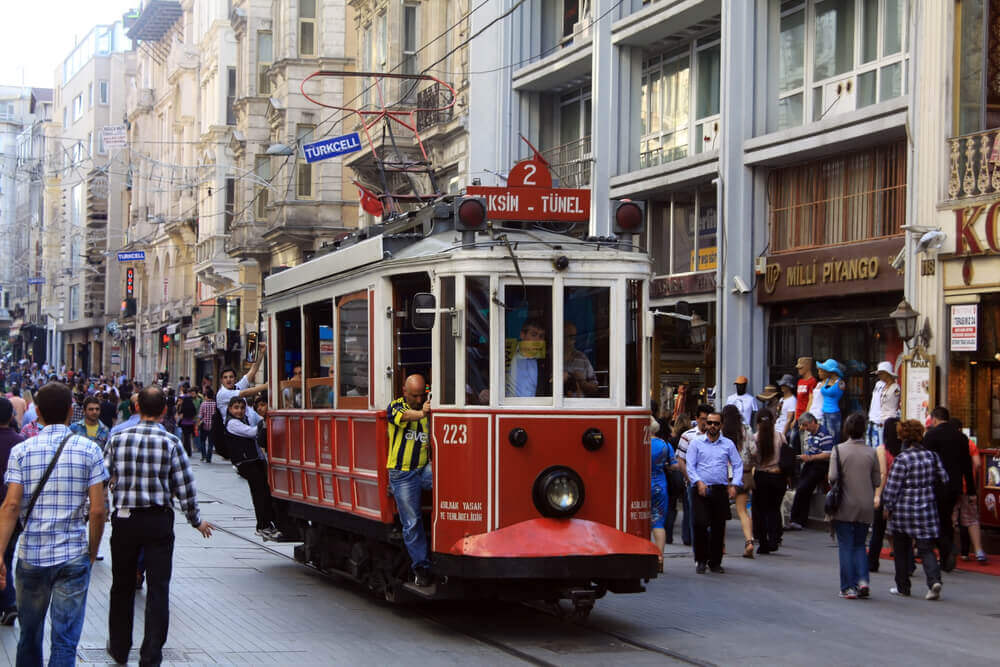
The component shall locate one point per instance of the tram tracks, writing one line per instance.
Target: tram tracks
(522, 653)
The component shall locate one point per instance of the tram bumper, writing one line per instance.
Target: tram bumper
(543, 548)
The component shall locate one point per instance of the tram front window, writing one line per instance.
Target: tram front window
(528, 341)
(586, 348)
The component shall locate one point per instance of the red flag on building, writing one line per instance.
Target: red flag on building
(369, 202)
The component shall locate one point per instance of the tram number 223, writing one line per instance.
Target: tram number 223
(455, 434)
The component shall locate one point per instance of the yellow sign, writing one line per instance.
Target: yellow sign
(707, 259)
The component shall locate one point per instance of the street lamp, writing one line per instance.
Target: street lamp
(906, 320)
(699, 329)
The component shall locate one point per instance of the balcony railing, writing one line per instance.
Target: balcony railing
(428, 98)
(974, 161)
(571, 162)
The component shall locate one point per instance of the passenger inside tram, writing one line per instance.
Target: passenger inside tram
(523, 371)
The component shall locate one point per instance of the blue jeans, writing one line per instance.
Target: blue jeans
(853, 556)
(831, 422)
(406, 487)
(206, 447)
(66, 586)
(874, 434)
(8, 597)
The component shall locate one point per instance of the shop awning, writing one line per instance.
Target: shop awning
(195, 342)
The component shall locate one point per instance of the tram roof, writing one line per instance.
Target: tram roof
(440, 243)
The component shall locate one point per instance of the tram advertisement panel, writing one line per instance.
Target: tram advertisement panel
(461, 456)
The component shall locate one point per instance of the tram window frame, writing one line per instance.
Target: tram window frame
(288, 347)
(547, 320)
(478, 350)
(601, 364)
(344, 302)
(319, 386)
(634, 306)
(447, 361)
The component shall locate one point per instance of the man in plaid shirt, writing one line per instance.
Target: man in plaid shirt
(148, 468)
(54, 553)
(205, 414)
(908, 500)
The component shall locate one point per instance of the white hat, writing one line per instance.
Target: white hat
(885, 366)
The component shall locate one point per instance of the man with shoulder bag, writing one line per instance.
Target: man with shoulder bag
(49, 479)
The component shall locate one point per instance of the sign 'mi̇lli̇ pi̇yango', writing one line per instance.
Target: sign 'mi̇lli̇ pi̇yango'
(529, 195)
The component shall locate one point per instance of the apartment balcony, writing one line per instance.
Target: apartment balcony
(974, 167)
(139, 99)
(246, 240)
(571, 163)
(434, 97)
(212, 265)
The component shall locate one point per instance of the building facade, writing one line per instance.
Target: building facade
(764, 136)
(83, 211)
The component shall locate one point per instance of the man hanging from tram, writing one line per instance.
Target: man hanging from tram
(410, 468)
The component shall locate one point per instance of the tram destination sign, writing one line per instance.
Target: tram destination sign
(558, 204)
(332, 147)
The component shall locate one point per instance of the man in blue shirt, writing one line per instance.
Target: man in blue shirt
(708, 460)
(817, 443)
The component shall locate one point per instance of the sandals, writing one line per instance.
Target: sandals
(748, 550)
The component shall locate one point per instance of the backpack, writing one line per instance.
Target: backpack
(219, 436)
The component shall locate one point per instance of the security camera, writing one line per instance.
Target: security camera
(740, 286)
(931, 240)
(899, 261)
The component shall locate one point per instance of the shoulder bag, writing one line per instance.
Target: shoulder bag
(45, 478)
(836, 492)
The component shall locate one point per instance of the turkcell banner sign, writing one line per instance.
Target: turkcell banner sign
(334, 147)
(134, 256)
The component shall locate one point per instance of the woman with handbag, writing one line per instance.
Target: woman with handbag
(734, 429)
(854, 475)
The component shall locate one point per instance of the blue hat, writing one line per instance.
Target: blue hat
(830, 366)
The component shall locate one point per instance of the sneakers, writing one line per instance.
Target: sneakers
(794, 525)
(864, 591)
(422, 578)
(981, 557)
(8, 617)
(269, 533)
(701, 568)
(896, 591)
(849, 594)
(935, 592)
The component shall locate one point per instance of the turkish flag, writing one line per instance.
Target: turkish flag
(369, 202)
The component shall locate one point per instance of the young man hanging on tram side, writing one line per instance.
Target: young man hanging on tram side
(410, 468)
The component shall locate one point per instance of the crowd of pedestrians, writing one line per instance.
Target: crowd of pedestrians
(762, 458)
(77, 451)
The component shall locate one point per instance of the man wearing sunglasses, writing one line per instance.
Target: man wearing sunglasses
(708, 461)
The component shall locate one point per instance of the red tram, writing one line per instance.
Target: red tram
(538, 495)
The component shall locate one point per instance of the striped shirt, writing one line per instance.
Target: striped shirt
(56, 532)
(148, 466)
(408, 441)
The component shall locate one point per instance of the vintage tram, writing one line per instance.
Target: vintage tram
(540, 493)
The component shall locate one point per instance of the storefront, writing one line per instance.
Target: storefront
(834, 302)
(971, 283)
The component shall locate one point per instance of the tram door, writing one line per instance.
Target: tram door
(411, 349)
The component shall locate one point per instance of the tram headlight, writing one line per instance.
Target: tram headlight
(558, 492)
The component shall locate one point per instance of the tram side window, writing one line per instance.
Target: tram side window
(477, 340)
(528, 341)
(352, 320)
(446, 393)
(289, 347)
(586, 348)
(319, 357)
(634, 310)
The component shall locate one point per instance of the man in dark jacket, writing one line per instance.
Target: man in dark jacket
(952, 447)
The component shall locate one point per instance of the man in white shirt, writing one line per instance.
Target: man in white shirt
(885, 402)
(746, 403)
(231, 388)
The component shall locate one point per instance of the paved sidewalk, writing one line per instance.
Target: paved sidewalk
(234, 602)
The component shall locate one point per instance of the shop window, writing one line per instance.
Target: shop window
(319, 357)
(352, 350)
(288, 342)
(586, 342)
(477, 340)
(852, 197)
(528, 341)
(448, 341)
(834, 56)
(635, 310)
(677, 87)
